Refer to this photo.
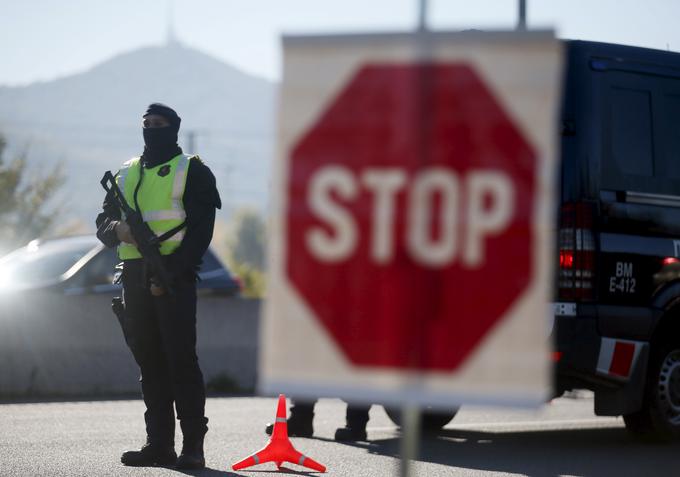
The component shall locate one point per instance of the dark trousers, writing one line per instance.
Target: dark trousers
(355, 417)
(162, 337)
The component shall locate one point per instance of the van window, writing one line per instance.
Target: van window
(641, 133)
(669, 127)
(631, 131)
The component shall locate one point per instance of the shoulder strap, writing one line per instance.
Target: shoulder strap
(171, 232)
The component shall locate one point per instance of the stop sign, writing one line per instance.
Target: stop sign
(408, 224)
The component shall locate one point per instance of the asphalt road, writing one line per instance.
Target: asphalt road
(563, 438)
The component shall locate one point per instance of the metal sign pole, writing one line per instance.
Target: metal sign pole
(410, 437)
(410, 412)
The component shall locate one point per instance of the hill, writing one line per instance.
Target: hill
(92, 121)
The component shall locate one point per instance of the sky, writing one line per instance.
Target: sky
(44, 39)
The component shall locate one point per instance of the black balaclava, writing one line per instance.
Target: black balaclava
(160, 144)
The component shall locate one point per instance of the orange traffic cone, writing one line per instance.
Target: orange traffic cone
(279, 449)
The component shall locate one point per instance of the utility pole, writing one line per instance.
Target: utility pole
(171, 36)
(522, 15)
(191, 141)
(422, 15)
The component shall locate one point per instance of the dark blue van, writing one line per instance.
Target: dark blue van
(617, 309)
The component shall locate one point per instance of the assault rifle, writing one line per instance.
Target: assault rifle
(148, 243)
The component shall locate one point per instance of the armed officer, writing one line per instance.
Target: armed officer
(172, 191)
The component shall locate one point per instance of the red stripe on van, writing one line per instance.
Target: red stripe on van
(622, 359)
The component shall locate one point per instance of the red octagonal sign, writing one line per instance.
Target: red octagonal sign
(410, 204)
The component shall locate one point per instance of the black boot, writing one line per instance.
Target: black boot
(355, 429)
(345, 434)
(159, 449)
(150, 455)
(299, 422)
(193, 431)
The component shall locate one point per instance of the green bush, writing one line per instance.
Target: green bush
(252, 279)
(24, 199)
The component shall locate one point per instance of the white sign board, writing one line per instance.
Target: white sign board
(412, 239)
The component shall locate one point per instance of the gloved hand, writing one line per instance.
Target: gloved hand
(156, 290)
(155, 287)
(124, 233)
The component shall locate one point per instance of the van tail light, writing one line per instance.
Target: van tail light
(576, 279)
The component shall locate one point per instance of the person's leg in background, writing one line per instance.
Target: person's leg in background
(356, 420)
(300, 419)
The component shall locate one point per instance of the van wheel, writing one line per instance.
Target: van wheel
(431, 421)
(659, 417)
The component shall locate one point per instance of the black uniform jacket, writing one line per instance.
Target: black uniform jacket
(200, 201)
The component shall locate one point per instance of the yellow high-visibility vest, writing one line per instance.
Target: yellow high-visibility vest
(159, 198)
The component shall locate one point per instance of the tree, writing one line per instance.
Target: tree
(246, 244)
(247, 241)
(24, 213)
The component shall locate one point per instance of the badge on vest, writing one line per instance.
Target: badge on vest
(164, 171)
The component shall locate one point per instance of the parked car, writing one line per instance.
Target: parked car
(83, 265)
(60, 337)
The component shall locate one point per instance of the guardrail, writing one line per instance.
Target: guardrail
(72, 347)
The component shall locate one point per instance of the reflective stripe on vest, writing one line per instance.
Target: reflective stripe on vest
(159, 198)
(122, 176)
